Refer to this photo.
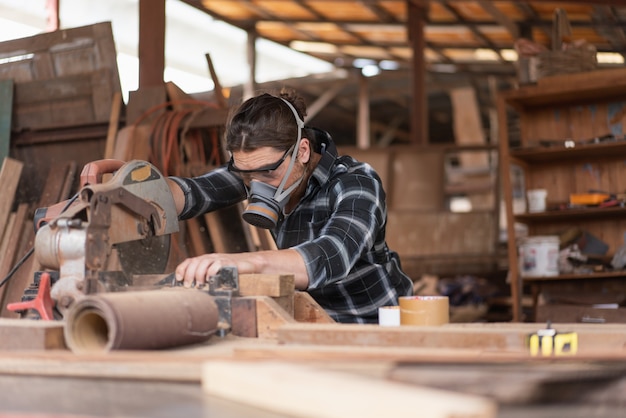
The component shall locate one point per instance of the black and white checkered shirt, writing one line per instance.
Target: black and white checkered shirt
(338, 227)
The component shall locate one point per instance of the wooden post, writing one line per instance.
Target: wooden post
(363, 119)
(417, 14)
(250, 86)
(52, 22)
(151, 42)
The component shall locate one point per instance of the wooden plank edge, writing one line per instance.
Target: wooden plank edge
(343, 394)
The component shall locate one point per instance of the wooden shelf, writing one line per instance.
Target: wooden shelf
(557, 153)
(570, 106)
(603, 275)
(571, 214)
(570, 89)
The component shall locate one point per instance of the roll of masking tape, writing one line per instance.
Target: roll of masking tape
(389, 316)
(424, 310)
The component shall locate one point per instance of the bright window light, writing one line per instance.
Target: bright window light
(370, 70)
(610, 58)
(362, 62)
(460, 205)
(388, 65)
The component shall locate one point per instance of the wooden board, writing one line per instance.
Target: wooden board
(274, 285)
(62, 78)
(501, 339)
(56, 190)
(10, 174)
(417, 180)
(11, 244)
(306, 309)
(17, 334)
(436, 233)
(520, 383)
(412, 176)
(330, 393)
(270, 316)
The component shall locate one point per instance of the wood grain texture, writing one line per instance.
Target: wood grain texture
(314, 392)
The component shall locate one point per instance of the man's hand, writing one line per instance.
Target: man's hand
(195, 272)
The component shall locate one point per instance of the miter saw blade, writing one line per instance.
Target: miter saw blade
(145, 256)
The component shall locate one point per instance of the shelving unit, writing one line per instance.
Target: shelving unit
(561, 121)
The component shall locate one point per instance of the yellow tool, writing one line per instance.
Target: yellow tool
(588, 198)
(549, 342)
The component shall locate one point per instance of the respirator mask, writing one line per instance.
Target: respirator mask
(265, 202)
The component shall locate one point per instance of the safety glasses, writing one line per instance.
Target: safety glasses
(267, 169)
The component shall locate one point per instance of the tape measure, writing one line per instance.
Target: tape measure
(549, 342)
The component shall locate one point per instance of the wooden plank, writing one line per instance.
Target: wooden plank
(518, 384)
(219, 93)
(7, 250)
(417, 180)
(10, 244)
(63, 78)
(142, 365)
(64, 101)
(55, 191)
(448, 336)
(16, 334)
(306, 309)
(440, 233)
(410, 355)
(197, 239)
(270, 316)
(9, 179)
(6, 114)
(22, 275)
(114, 124)
(274, 285)
(343, 394)
(467, 125)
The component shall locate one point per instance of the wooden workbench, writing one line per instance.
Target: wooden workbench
(479, 365)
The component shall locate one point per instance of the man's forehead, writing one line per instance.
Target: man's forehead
(258, 157)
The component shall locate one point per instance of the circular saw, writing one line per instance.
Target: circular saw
(132, 214)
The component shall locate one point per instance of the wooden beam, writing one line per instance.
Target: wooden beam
(219, 92)
(500, 17)
(328, 95)
(151, 42)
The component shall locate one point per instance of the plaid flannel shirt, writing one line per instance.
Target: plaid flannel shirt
(338, 227)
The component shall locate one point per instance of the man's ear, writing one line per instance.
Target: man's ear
(304, 151)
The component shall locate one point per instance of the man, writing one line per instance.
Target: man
(327, 213)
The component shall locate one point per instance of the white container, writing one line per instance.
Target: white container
(389, 316)
(539, 256)
(536, 200)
